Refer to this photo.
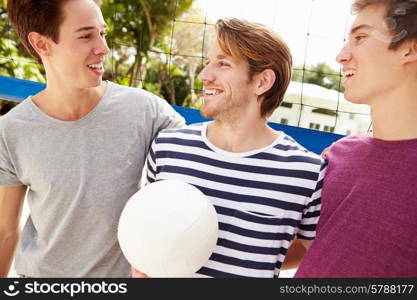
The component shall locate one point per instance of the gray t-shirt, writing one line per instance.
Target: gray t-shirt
(80, 175)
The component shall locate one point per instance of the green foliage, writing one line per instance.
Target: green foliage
(320, 74)
(145, 48)
(15, 61)
(168, 81)
(135, 28)
(154, 88)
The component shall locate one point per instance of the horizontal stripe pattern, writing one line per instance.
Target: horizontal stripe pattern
(263, 199)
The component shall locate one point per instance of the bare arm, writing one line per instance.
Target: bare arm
(295, 253)
(138, 274)
(11, 203)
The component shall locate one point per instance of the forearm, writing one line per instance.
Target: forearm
(8, 243)
(11, 203)
(294, 255)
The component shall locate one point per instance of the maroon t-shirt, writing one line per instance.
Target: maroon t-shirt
(368, 221)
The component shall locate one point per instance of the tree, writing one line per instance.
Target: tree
(136, 27)
(190, 42)
(176, 73)
(142, 40)
(320, 74)
(15, 61)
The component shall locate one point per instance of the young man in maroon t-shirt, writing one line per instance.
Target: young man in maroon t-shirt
(368, 222)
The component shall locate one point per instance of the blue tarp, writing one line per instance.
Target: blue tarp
(18, 89)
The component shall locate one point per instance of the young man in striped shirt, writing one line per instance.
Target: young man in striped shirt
(264, 185)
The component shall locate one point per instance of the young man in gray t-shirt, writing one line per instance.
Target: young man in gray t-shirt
(77, 148)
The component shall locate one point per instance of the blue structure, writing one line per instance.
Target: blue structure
(18, 89)
(14, 89)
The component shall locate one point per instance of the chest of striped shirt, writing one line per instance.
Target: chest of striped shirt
(263, 198)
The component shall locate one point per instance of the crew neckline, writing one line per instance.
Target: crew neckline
(237, 154)
(85, 118)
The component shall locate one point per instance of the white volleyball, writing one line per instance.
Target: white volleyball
(168, 229)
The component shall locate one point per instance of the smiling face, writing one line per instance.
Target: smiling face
(227, 89)
(370, 69)
(77, 58)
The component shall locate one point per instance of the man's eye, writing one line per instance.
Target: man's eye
(223, 64)
(85, 37)
(359, 37)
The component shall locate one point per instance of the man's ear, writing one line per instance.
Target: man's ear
(409, 54)
(265, 80)
(40, 43)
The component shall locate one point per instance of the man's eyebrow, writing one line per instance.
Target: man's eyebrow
(222, 56)
(88, 28)
(219, 57)
(362, 26)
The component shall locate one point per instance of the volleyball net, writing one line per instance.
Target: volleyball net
(160, 46)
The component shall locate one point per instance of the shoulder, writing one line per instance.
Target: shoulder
(348, 144)
(289, 147)
(13, 124)
(189, 130)
(15, 116)
(127, 93)
(186, 136)
(352, 139)
(144, 102)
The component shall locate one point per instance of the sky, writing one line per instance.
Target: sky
(315, 30)
(326, 22)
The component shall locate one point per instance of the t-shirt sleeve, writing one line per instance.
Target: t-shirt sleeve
(151, 164)
(8, 174)
(165, 117)
(311, 213)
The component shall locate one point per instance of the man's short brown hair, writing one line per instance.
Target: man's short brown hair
(42, 16)
(401, 18)
(262, 49)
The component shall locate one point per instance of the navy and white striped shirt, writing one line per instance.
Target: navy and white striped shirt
(263, 198)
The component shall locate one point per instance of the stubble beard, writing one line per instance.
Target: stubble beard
(228, 110)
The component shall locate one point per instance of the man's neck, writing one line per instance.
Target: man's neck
(68, 104)
(395, 116)
(241, 136)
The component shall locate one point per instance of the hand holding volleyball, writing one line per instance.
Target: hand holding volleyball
(168, 229)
